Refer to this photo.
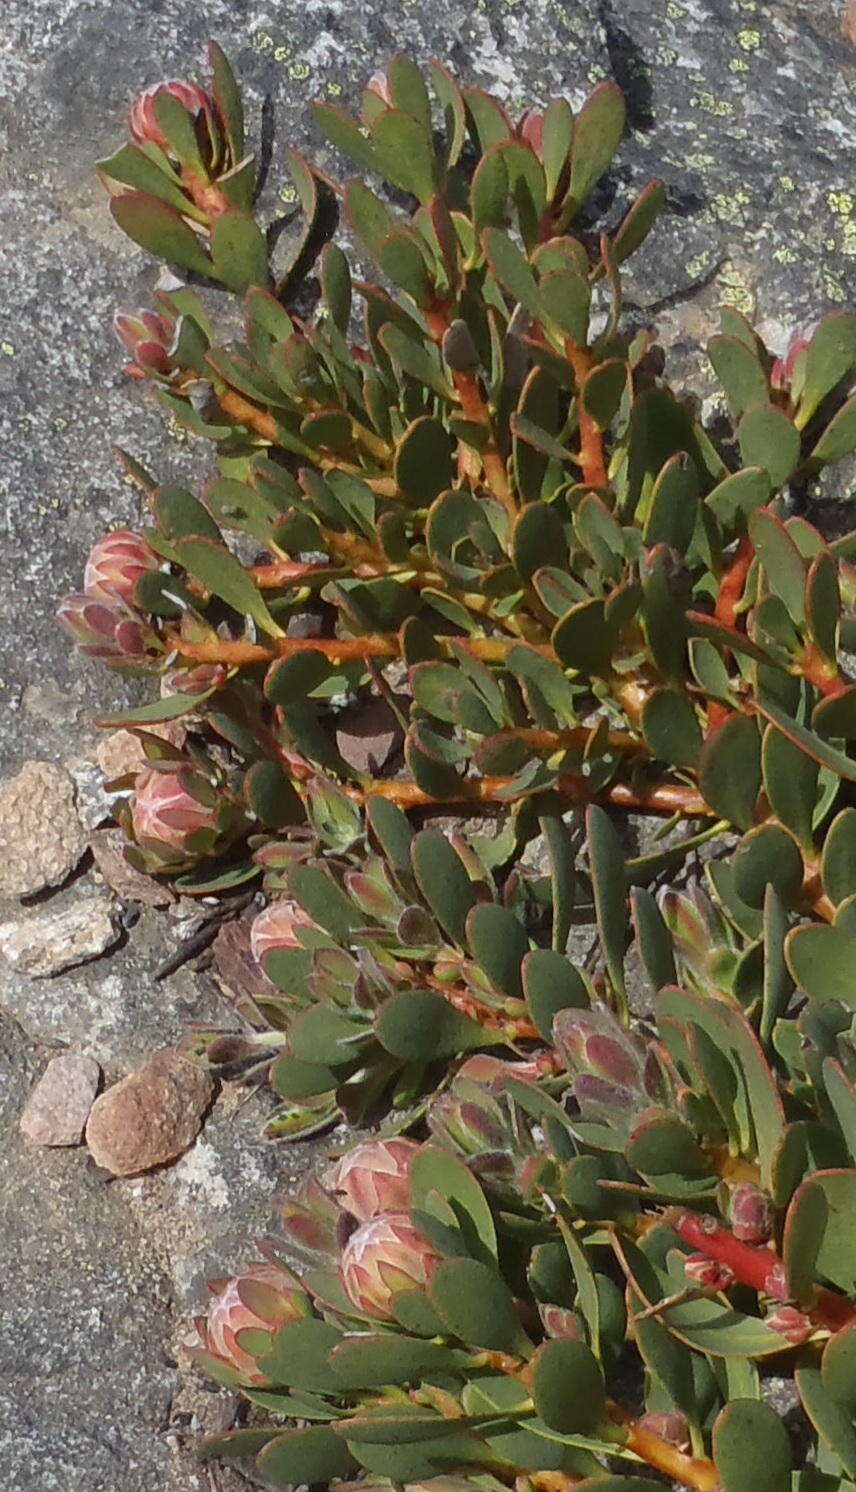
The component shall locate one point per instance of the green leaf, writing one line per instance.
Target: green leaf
(739, 370)
(609, 884)
(160, 230)
(783, 564)
(421, 1026)
(838, 1368)
(423, 461)
(271, 796)
(751, 1448)
(443, 880)
(367, 1361)
(565, 297)
(821, 960)
(767, 856)
(729, 769)
(832, 1420)
(511, 269)
(841, 1093)
(567, 1386)
(598, 129)
(604, 390)
(475, 1305)
(228, 96)
(670, 727)
(582, 640)
(499, 943)
(299, 1356)
(135, 168)
(674, 505)
(324, 901)
(833, 1258)
(295, 1080)
(637, 224)
(239, 252)
(839, 438)
(556, 134)
(653, 938)
(404, 153)
(662, 1144)
(344, 134)
(220, 572)
(768, 438)
(790, 783)
(807, 741)
(434, 1172)
(830, 356)
(738, 495)
(550, 984)
(838, 860)
(313, 1454)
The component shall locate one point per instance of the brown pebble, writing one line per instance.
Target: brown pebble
(150, 1117)
(57, 1109)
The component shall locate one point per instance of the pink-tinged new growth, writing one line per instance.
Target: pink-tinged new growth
(201, 680)
(263, 1298)
(386, 1255)
(530, 129)
(116, 563)
(707, 1274)
(275, 928)
(107, 629)
(792, 1324)
(670, 1425)
(166, 810)
(202, 108)
(148, 337)
(782, 373)
(373, 1177)
(561, 1321)
(750, 1213)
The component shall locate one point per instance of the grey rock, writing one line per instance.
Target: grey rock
(150, 1117)
(58, 1107)
(45, 943)
(41, 836)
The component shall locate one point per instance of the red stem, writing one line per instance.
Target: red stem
(761, 1268)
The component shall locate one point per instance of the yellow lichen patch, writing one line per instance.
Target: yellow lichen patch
(749, 40)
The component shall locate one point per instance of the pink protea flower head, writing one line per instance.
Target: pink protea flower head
(165, 809)
(108, 629)
(142, 119)
(148, 337)
(385, 1255)
(262, 1298)
(750, 1213)
(116, 563)
(373, 1178)
(275, 928)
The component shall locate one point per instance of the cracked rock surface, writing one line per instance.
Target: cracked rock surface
(746, 108)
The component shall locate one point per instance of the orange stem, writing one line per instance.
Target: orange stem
(692, 1471)
(474, 408)
(670, 798)
(591, 439)
(337, 649)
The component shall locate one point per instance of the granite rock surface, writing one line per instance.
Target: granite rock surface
(745, 107)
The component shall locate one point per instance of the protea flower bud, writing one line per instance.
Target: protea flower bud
(116, 563)
(261, 1299)
(373, 1178)
(170, 804)
(530, 129)
(142, 119)
(202, 679)
(379, 83)
(384, 1256)
(109, 630)
(784, 368)
(707, 1273)
(592, 1041)
(148, 337)
(670, 1425)
(790, 1323)
(750, 1213)
(561, 1321)
(275, 928)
